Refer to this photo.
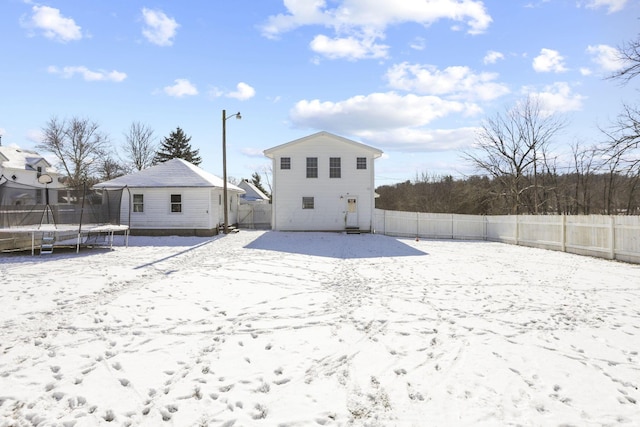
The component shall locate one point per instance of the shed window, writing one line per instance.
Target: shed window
(285, 163)
(176, 203)
(334, 167)
(138, 203)
(361, 163)
(312, 167)
(307, 203)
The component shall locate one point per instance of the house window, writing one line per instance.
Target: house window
(138, 203)
(312, 167)
(39, 171)
(334, 167)
(176, 203)
(220, 199)
(307, 203)
(285, 163)
(361, 163)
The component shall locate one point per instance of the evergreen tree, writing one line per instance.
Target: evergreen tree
(177, 146)
(256, 180)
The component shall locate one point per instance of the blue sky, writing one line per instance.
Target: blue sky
(414, 78)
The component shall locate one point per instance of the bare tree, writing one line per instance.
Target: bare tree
(511, 148)
(78, 144)
(140, 146)
(584, 164)
(629, 56)
(110, 168)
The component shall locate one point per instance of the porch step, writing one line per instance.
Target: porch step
(46, 246)
(353, 230)
(230, 229)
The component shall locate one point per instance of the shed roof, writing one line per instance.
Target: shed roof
(270, 151)
(172, 173)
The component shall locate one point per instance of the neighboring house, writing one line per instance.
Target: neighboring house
(252, 195)
(19, 173)
(323, 182)
(174, 197)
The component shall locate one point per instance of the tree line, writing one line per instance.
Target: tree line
(569, 193)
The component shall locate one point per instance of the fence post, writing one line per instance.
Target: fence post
(384, 222)
(484, 227)
(452, 227)
(563, 233)
(417, 224)
(612, 237)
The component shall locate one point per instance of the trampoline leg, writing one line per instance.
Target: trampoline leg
(33, 242)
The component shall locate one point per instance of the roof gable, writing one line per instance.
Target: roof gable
(323, 134)
(17, 158)
(172, 173)
(252, 191)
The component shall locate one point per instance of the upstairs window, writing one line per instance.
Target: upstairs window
(176, 203)
(312, 167)
(39, 171)
(285, 162)
(361, 163)
(334, 167)
(308, 203)
(138, 203)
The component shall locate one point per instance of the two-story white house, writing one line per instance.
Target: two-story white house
(323, 182)
(19, 173)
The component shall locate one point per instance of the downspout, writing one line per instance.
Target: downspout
(130, 205)
(273, 195)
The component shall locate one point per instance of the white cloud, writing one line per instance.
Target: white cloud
(182, 87)
(611, 5)
(53, 25)
(348, 47)
(418, 43)
(253, 152)
(359, 23)
(607, 57)
(549, 60)
(457, 82)
(585, 71)
(375, 112)
(159, 28)
(243, 92)
(492, 57)
(88, 75)
(420, 140)
(558, 98)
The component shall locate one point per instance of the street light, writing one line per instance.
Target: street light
(224, 165)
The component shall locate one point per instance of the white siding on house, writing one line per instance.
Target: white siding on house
(157, 209)
(330, 194)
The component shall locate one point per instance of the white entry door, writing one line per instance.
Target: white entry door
(352, 211)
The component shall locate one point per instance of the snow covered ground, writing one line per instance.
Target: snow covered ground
(307, 329)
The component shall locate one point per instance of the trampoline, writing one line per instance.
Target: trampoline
(43, 216)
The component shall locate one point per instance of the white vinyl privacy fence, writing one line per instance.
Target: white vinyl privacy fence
(612, 237)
